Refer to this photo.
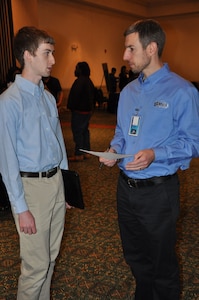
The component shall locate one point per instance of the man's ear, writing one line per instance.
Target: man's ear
(152, 48)
(27, 56)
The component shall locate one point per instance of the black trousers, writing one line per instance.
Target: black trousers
(147, 220)
(80, 130)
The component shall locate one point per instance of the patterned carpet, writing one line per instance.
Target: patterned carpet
(91, 265)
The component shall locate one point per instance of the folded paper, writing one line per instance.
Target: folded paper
(107, 155)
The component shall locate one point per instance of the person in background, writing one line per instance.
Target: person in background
(132, 75)
(123, 78)
(52, 84)
(81, 102)
(158, 124)
(31, 156)
(112, 81)
(10, 78)
(112, 88)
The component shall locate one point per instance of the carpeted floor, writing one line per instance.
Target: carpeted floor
(91, 265)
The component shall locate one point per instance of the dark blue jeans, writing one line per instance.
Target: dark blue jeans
(147, 219)
(80, 130)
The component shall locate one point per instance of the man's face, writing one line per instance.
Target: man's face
(137, 57)
(41, 63)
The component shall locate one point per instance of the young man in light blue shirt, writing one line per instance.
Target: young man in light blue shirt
(31, 155)
(157, 122)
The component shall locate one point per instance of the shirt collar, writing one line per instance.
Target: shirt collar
(155, 76)
(28, 86)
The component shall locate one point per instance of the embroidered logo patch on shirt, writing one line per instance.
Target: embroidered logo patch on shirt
(161, 104)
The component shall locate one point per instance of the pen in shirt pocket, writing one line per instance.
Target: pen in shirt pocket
(101, 164)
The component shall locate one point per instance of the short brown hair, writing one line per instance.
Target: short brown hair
(29, 38)
(149, 31)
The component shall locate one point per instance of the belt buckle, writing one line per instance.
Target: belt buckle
(132, 183)
(49, 173)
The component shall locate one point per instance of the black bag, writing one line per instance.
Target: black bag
(72, 187)
(4, 199)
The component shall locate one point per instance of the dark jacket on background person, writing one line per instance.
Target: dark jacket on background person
(82, 93)
(81, 96)
(52, 84)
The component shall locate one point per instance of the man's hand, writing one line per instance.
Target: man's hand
(27, 222)
(141, 160)
(108, 162)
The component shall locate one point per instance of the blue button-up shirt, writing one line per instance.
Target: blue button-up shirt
(30, 134)
(168, 111)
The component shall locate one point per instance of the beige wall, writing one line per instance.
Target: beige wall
(182, 45)
(25, 13)
(99, 37)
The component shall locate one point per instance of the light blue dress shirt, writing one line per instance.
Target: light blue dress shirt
(168, 111)
(30, 134)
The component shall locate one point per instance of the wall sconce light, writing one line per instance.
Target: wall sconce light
(74, 47)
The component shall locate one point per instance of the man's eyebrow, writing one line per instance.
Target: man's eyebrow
(48, 50)
(129, 46)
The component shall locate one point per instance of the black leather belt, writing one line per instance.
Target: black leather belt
(139, 183)
(47, 174)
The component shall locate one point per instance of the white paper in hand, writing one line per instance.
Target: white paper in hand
(107, 155)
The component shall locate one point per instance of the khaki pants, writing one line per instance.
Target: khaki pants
(46, 201)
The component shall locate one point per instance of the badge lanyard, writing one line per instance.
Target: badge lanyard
(134, 124)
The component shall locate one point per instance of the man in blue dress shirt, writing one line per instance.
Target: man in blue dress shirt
(157, 122)
(31, 155)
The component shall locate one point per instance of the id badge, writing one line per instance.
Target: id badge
(134, 125)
